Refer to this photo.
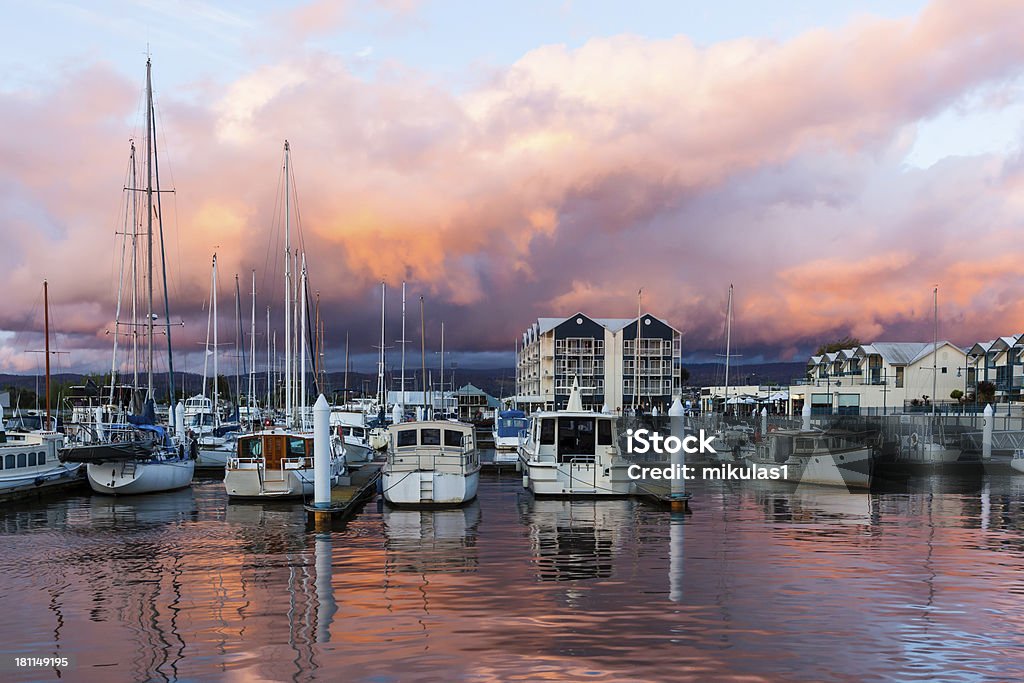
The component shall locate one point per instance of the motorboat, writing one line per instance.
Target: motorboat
(431, 462)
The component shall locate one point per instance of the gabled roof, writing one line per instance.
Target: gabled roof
(545, 325)
(902, 353)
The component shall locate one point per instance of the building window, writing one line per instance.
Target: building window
(944, 371)
(899, 378)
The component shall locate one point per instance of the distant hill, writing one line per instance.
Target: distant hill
(713, 374)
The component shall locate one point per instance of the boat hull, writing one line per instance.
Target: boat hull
(1017, 464)
(125, 478)
(213, 458)
(850, 469)
(357, 452)
(424, 487)
(577, 479)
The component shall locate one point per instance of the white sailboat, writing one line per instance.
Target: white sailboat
(278, 463)
(136, 455)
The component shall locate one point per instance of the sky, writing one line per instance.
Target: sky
(834, 161)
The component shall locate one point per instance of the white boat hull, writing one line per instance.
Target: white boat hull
(213, 458)
(248, 480)
(429, 487)
(506, 450)
(39, 477)
(850, 469)
(125, 478)
(570, 479)
(1017, 464)
(357, 452)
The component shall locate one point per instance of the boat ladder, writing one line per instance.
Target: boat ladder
(128, 469)
(426, 489)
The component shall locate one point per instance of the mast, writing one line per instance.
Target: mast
(441, 380)
(935, 347)
(346, 368)
(163, 259)
(46, 333)
(239, 358)
(423, 363)
(287, 292)
(302, 340)
(728, 341)
(129, 209)
(269, 361)
(209, 323)
(252, 351)
(381, 396)
(149, 226)
(403, 348)
(636, 356)
(515, 385)
(216, 374)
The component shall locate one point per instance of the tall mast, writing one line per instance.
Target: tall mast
(403, 348)
(129, 215)
(728, 342)
(149, 226)
(216, 348)
(441, 379)
(239, 358)
(302, 338)
(636, 356)
(935, 347)
(46, 333)
(423, 363)
(163, 259)
(252, 351)
(381, 396)
(346, 368)
(209, 324)
(287, 291)
(515, 385)
(269, 361)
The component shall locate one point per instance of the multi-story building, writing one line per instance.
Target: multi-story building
(610, 358)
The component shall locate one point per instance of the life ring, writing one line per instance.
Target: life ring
(913, 439)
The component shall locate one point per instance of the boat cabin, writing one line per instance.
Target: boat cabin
(510, 423)
(432, 445)
(277, 450)
(579, 438)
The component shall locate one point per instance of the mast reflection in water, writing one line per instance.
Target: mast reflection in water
(760, 582)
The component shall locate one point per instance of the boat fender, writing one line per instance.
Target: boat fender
(181, 451)
(913, 439)
(193, 450)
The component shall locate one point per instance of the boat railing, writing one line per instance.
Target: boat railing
(436, 458)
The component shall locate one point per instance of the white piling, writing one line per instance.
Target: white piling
(179, 420)
(171, 424)
(764, 421)
(326, 605)
(396, 414)
(806, 415)
(321, 453)
(677, 425)
(676, 557)
(986, 434)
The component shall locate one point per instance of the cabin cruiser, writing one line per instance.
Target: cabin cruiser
(350, 427)
(30, 460)
(574, 452)
(829, 458)
(277, 464)
(431, 462)
(508, 427)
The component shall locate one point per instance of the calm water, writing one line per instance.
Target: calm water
(758, 584)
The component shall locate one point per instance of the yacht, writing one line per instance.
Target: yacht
(350, 427)
(574, 452)
(431, 462)
(508, 426)
(277, 463)
(828, 458)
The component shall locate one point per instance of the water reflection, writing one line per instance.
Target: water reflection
(421, 541)
(574, 539)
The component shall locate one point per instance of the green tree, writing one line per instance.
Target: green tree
(956, 395)
(838, 345)
(986, 392)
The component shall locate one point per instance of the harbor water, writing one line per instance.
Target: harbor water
(760, 583)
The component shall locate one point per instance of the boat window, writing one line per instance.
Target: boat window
(575, 436)
(407, 437)
(804, 445)
(452, 438)
(358, 432)
(252, 448)
(604, 432)
(297, 447)
(21, 460)
(2, 461)
(430, 437)
(547, 432)
(9, 462)
(42, 459)
(31, 459)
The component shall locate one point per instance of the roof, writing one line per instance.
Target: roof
(903, 353)
(612, 324)
(469, 389)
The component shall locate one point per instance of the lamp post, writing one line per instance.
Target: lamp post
(828, 390)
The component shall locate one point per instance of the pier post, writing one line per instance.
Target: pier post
(98, 416)
(986, 434)
(764, 421)
(676, 556)
(172, 426)
(179, 420)
(321, 453)
(806, 415)
(326, 606)
(677, 425)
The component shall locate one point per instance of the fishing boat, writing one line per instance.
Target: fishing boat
(509, 426)
(431, 462)
(574, 452)
(29, 460)
(135, 455)
(828, 458)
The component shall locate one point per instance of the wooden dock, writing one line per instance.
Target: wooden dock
(347, 499)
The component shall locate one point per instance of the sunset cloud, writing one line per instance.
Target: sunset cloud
(568, 180)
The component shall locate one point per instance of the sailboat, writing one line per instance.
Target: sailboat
(135, 455)
(29, 460)
(278, 463)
